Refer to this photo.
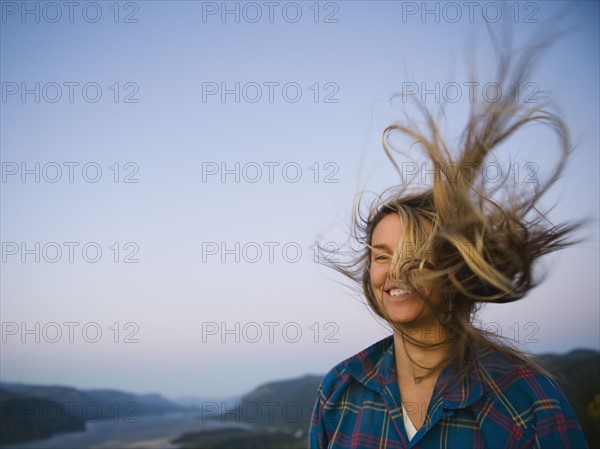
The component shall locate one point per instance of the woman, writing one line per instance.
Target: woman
(428, 259)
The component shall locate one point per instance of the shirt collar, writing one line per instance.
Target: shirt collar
(375, 368)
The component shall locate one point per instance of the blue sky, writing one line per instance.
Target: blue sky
(129, 88)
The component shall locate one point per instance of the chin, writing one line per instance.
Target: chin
(402, 317)
(407, 314)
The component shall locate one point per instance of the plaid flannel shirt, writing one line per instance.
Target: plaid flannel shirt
(358, 406)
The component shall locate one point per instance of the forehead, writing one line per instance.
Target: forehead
(389, 230)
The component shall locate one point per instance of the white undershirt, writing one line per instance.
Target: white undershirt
(408, 425)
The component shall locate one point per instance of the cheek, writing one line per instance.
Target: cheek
(378, 275)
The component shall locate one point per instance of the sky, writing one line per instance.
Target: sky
(168, 167)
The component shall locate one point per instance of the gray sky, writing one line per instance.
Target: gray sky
(183, 163)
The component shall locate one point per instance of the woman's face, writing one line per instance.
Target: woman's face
(399, 304)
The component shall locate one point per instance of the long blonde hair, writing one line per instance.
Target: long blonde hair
(484, 249)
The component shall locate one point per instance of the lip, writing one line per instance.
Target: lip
(389, 289)
(402, 298)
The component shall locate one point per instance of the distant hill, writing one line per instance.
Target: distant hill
(199, 403)
(25, 418)
(74, 407)
(287, 403)
(107, 400)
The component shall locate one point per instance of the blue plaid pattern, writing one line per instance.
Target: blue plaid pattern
(501, 405)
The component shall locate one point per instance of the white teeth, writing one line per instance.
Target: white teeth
(398, 292)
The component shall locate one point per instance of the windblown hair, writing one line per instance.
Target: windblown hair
(482, 240)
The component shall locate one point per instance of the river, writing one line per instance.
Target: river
(151, 432)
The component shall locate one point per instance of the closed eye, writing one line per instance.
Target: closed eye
(380, 257)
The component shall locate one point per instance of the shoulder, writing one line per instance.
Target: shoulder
(533, 401)
(519, 382)
(353, 369)
(343, 393)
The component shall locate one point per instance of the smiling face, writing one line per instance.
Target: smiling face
(397, 300)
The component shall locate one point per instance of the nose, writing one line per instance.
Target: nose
(394, 275)
(399, 271)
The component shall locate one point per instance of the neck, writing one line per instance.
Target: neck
(416, 358)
